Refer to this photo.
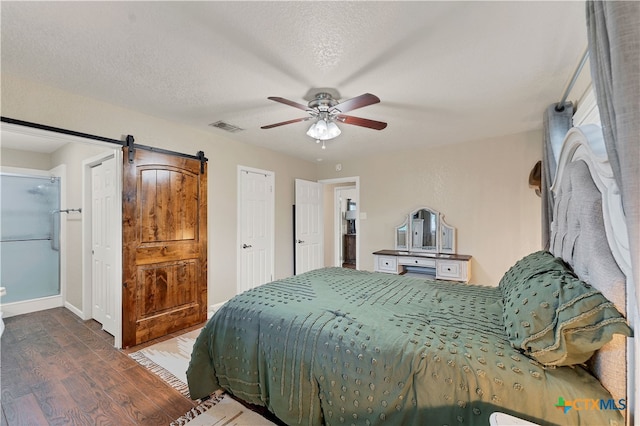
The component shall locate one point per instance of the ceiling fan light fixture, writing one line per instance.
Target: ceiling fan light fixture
(333, 130)
(318, 130)
(325, 110)
(323, 130)
(312, 132)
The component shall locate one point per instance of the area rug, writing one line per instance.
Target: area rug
(169, 360)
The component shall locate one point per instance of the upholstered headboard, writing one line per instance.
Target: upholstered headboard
(589, 232)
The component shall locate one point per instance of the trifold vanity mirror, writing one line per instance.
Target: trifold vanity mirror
(426, 245)
(424, 230)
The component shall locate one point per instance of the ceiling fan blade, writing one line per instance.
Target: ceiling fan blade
(288, 102)
(271, 126)
(363, 122)
(357, 102)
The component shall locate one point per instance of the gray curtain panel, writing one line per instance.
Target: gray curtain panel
(556, 124)
(613, 30)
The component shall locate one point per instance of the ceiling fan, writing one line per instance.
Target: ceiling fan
(326, 110)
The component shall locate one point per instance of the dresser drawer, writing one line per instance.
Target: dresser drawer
(452, 270)
(387, 264)
(450, 267)
(417, 261)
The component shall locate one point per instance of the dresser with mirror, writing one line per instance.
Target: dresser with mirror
(425, 244)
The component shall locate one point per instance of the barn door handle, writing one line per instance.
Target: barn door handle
(246, 246)
(299, 241)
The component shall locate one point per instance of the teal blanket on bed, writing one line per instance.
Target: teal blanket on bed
(338, 346)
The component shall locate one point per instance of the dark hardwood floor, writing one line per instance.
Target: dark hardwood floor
(56, 369)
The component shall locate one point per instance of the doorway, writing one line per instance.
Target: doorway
(346, 211)
(34, 147)
(328, 223)
(336, 193)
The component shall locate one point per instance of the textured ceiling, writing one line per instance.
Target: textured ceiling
(445, 72)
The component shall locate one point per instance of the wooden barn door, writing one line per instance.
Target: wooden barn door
(164, 227)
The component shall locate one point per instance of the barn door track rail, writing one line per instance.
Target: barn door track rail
(129, 141)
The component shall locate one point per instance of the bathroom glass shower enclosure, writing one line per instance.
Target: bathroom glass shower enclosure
(30, 233)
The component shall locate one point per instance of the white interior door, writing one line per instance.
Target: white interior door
(104, 282)
(309, 245)
(256, 228)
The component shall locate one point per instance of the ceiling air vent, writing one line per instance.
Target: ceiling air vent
(226, 126)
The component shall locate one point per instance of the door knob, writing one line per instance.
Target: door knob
(299, 241)
(246, 246)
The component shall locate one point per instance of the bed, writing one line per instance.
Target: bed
(341, 346)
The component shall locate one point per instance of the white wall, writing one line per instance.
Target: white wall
(481, 187)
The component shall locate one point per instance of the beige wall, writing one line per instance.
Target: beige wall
(481, 187)
(72, 155)
(24, 159)
(29, 101)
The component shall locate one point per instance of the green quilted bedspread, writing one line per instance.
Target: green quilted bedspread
(337, 346)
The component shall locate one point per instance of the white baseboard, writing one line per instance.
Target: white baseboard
(28, 306)
(75, 310)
